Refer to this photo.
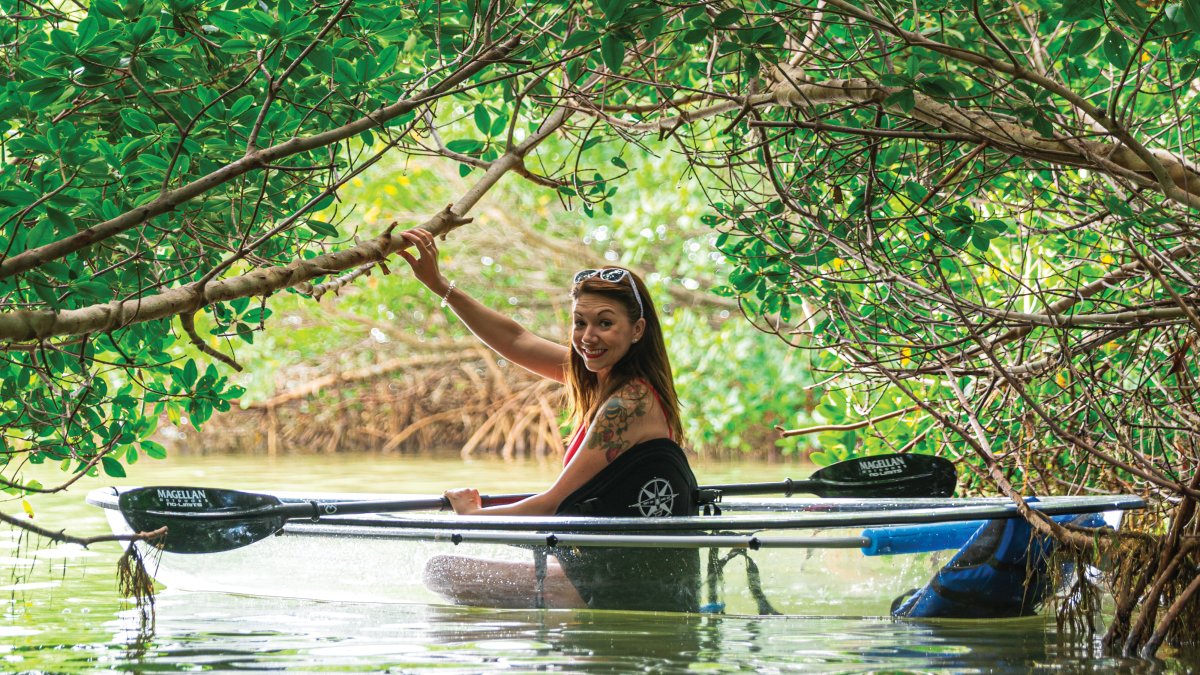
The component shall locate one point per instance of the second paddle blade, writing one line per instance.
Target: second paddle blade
(200, 520)
(887, 476)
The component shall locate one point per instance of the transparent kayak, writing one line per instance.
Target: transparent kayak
(848, 557)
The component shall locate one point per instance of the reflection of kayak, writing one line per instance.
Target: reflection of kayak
(792, 556)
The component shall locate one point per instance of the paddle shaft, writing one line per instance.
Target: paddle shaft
(885, 476)
(786, 487)
(319, 509)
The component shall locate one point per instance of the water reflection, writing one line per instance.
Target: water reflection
(79, 624)
(229, 633)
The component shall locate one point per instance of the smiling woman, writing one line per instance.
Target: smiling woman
(624, 458)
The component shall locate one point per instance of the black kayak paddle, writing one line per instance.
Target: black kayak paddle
(211, 520)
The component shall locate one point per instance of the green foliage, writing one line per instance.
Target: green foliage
(944, 272)
(654, 226)
(116, 107)
(898, 184)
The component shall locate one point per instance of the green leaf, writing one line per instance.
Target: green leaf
(59, 218)
(613, 9)
(1116, 48)
(613, 51)
(752, 65)
(86, 31)
(466, 146)
(153, 161)
(154, 450)
(138, 120)
(1078, 10)
(236, 46)
(112, 467)
(40, 235)
(1083, 42)
(654, 27)
(499, 125)
(189, 373)
(321, 227)
(108, 8)
(94, 289)
(19, 198)
(728, 18)
(62, 41)
(144, 29)
(325, 203)
(1138, 17)
(240, 106)
(904, 99)
(697, 35)
(1191, 13)
(580, 38)
(483, 121)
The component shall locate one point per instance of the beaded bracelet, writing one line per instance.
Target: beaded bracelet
(446, 295)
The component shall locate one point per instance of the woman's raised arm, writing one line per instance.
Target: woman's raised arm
(506, 337)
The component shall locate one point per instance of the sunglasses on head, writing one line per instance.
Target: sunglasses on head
(613, 275)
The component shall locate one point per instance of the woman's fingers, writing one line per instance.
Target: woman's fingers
(415, 237)
(423, 261)
(422, 241)
(464, 500)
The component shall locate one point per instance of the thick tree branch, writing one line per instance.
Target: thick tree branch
(256, 159)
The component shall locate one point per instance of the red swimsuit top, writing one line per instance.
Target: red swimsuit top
(581, 432)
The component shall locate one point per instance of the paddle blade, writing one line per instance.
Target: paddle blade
(886, 476)
(200, 520)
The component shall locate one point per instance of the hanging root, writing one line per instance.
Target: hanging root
(136, 583)
(1078, 603)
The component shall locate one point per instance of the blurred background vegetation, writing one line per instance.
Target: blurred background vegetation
(380, 366)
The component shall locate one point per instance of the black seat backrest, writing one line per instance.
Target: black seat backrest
(650, 479)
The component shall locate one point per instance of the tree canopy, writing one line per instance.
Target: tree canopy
(982, 209)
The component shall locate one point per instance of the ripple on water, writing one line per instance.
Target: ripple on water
(78, 623)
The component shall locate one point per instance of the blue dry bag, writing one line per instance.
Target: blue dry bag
(1001, 572)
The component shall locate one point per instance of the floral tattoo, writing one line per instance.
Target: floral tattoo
(615, 418)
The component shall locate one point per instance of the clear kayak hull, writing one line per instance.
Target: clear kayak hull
(794, 556)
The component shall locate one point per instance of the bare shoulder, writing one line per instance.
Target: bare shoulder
(620, 422)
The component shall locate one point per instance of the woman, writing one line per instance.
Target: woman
(623, 458)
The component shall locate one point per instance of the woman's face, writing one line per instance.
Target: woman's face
(603, 332)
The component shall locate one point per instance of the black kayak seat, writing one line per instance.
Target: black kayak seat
(649, 479)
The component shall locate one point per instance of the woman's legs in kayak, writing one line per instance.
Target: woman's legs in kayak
(499, 583)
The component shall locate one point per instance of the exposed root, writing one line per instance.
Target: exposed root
(136, 583)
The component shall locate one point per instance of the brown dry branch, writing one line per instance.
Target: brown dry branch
(792, 88)
(416, 404)
(61, 536)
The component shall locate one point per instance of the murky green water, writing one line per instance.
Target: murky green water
(62, 612)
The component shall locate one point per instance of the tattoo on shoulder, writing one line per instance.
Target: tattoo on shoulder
(611, 430)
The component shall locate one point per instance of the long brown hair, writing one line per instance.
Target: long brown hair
(646, 359)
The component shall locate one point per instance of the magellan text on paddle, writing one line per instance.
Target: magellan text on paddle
(182, 498)
(884, 466)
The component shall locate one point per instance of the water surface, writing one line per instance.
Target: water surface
(63, 613)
